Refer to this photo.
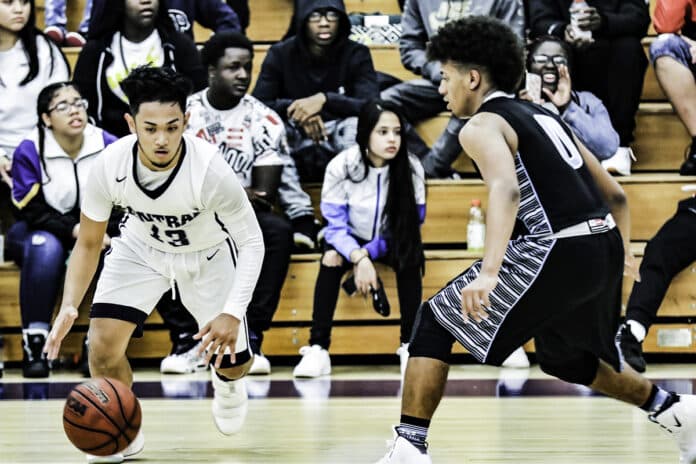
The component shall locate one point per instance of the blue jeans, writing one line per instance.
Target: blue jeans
(674, 46)
(55, 15)
(41, 257)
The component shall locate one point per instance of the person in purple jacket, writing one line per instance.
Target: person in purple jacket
(373, 200)
(49, 170)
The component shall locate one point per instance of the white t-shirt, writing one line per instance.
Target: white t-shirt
(128, 56)
(248, 135)
(200, 205)
(18, 102)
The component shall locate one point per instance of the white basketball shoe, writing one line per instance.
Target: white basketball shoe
(230, 404)
(135, 447)
(401, 451)
(679, 420)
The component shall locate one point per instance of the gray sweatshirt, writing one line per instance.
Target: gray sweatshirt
(422, 18)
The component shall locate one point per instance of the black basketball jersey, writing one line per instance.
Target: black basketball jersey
(557, 190)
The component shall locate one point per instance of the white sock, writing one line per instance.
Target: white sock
(637, 329)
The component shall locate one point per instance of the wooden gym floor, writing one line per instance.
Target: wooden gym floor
(488, 416)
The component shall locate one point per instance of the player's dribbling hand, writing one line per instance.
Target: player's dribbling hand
(475, 300)
(61, 326)
(218, 335)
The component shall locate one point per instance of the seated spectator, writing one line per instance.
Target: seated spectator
(133, 33)
(669, 252)
(373, 199)
(317, 81)
(549, 57)
(212, 14)
(49, 171)
(673, 54)
(419, 99)
(28, 62)
(57, 22)
(251, 136)
(611, 64)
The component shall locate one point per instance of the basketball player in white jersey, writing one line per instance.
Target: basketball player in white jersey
(189, 226)
(559, 281)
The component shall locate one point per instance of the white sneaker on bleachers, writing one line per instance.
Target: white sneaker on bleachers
(184, 363)
(401, 451)
(315, 362)
(131, 450)
(403, 358)
(230, 403)
(260, 365)
(620, 163)
(679, 420)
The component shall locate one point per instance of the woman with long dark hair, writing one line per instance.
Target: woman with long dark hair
(373, 199)
(49, 170)
(28, 62)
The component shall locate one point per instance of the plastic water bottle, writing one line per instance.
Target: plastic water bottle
(476, 228)
(576, 10)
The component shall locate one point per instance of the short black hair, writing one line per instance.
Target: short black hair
(155, 84)
(215, 47)
(481, 41)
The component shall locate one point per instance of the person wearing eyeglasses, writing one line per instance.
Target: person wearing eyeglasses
(549, 57)
(317, 81)
(49, 171)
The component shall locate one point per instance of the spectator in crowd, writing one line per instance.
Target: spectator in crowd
(373, 199)
(28, 62)
(418, 99)
(241, 7)
(57, 23)
(49, 170)
(669, 252)
(549, 57)
(317, 81)
(212, 14)
(133, 33)
(251, 137)
(673, 55)
(611, 64)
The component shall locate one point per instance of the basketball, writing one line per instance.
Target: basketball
(101, 416)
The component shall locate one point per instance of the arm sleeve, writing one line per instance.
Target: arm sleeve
(227, 198)
(217, 16)
(670, 15)
(363, 88)
(334, 208)
(631, 19)
(270, 82)
(546, 17)
(413, 39)
(96, 200)
(589, 119)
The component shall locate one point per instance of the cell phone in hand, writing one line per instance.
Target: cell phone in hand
(532, 85)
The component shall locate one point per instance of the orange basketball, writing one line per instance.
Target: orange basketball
(101, 416)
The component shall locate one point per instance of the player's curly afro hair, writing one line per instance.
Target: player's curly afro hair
(485, 42)
(154, 84)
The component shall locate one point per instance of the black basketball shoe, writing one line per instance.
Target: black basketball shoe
(631, 348)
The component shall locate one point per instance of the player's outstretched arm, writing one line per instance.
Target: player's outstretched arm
(616, 198)
(490, 142)
(81, 268)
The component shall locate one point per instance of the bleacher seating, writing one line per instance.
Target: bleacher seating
(653, 193)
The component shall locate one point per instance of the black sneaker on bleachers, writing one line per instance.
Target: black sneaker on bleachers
(631, 348)
(688, 167)
(34, 362)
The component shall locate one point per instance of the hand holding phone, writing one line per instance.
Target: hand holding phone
(532, 85)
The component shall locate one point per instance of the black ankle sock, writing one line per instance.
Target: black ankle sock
(415, 430)
(659, 400)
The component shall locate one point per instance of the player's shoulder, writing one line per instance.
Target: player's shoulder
(119, 150)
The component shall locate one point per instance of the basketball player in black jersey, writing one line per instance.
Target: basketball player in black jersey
(559, 282)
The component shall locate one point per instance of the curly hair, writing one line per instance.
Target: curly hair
(481, 41)
(152, 84)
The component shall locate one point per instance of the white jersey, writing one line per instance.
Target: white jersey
(248, 135)
(200, 205)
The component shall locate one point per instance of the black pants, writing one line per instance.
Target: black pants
(241, 7)
(613, 69)
(277, 237)
(670, 251)
(409, 287)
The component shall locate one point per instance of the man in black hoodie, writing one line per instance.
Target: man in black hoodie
(317, 81)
